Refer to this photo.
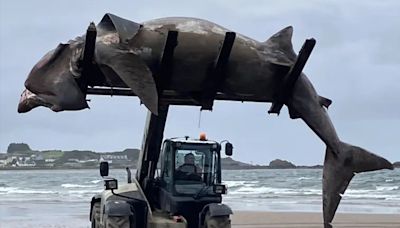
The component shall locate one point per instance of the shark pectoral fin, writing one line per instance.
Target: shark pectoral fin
(293, 113)
(133, 72)
(325, 102)
(339, 169)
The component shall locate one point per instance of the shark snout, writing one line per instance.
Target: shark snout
(29, 100)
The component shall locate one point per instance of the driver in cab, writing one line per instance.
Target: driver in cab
(189, 168)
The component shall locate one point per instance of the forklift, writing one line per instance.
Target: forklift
(169, 189)
(177, 185)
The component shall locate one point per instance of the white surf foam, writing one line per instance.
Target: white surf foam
(232, 184)
(276, 191)
(32, 191)
(359, 191)
(77, 186)
(305, 178)
(367, 196)
(5, 190)
(85, 194)
(387, 188)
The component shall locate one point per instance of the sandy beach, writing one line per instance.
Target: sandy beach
(243, 219)
(240, 219)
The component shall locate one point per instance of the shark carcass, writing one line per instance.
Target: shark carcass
(190, 61)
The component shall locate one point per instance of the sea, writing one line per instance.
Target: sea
(61, 198)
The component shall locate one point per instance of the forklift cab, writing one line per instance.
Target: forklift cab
(191, 167)
(190, 176)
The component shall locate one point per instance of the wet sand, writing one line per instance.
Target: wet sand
(245, 219)
(27, 218)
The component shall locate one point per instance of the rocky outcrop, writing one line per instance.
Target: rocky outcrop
(281, 164)
(18, 147)
(229, 163)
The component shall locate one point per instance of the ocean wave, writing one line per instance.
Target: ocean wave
(251, 190)
(95, 181)
(275, 191)
(359, 191)
(7, 189)
(367, 196)
(389, 180)
(82, 194)
(305, 178)
(395, 198)
(372, 193)
(232, 184)
(250, 198)
(84, 191)
(77, 186)
(312, 192)
(32, 191)
(387, 188)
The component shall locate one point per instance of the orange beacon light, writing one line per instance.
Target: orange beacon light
(203, 136)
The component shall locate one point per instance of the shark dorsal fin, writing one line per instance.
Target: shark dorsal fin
(126, 29)
(280, 45)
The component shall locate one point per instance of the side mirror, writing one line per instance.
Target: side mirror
(228, 149)
(104, 169)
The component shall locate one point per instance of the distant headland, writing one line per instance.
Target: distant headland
(21, 156)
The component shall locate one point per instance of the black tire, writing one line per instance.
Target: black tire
(95, 219)
(118, 222)
(217, 221)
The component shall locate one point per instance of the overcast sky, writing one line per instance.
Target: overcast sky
(356, 63)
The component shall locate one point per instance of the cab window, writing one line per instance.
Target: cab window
(195, 167)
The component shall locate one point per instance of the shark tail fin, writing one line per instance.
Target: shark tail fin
(339, 168)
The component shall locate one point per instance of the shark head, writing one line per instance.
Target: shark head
(51, 83)
(53, 80)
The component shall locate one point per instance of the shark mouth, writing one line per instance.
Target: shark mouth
(30, 100)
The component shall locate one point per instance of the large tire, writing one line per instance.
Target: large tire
(118, 222)
(95, 219)
(217, 221)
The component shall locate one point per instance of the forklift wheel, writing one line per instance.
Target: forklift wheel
(217, 221)
(118, 222)
(95, 219)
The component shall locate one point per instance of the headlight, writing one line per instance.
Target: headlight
(111, 184)
(220, 189)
